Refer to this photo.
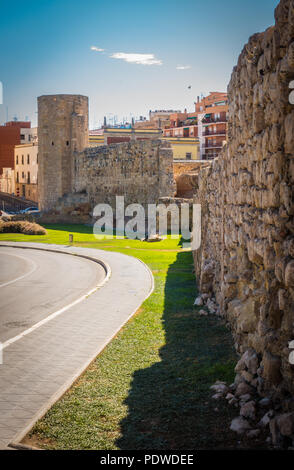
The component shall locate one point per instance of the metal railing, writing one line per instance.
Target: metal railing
(220, 132)
(213, 120)
(13, 203)
(217, 145)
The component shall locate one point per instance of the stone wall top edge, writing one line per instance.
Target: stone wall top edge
(63, 96)
(107, 148)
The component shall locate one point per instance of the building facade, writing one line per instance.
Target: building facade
(26, 171)
(184, 148)
(11, 134)
(116, 135)
(7, 182)
(208, 123)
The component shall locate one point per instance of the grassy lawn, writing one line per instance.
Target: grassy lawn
(149, 388)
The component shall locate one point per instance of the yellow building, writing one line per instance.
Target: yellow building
(113, 135)
(96, 140)
(184, 148)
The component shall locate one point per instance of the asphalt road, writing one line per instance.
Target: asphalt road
(35, 284)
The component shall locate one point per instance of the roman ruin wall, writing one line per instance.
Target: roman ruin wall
(141, 171)
(74, 178)
(247, 255)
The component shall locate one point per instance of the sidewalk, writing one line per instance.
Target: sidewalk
(39, 367)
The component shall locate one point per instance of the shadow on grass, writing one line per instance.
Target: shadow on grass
(169, 405)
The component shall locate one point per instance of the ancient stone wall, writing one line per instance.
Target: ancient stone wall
(247, 253)
(62, 131)
(141, 171)
(73, 177)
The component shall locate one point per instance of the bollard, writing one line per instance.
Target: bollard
(70, 238)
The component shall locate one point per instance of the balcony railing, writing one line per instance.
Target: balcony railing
(220, 132)
(217, 145)
(213, 120)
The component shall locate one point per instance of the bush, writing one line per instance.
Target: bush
(22, 226)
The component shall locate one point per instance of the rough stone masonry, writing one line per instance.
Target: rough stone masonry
(74, 178)
(247, 255)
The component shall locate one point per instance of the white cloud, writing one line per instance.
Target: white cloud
(183, 67)
(142, 59)
(97, 49)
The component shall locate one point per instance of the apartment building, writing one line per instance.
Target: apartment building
(208, 123)
(11, 134)
(26, 170)
(7, 182)
(184, 148)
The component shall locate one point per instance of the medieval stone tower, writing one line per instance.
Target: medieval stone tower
(62, 132)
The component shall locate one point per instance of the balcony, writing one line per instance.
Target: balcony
(211, 145)
(214, 121)
(220, 132)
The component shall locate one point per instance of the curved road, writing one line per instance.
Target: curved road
(48, 343)
(35, 284)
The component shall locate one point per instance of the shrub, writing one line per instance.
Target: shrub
(22, 226)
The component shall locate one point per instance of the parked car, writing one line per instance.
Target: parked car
(30, 210)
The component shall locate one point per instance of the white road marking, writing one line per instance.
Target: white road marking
(63, 309)
(24, 275)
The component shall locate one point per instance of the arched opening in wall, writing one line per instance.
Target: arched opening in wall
(67, 142)
(52, 143)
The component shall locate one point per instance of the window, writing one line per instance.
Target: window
(16, 159)
(22, 136)
(22, 175)
(28, 159)
(22, 159)
(188, 156)
(37, 158)
(29, 178)
(17, 177)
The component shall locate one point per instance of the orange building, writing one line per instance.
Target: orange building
(208, 123)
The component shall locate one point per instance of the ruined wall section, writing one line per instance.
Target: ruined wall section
(247, 255)
(141, 171)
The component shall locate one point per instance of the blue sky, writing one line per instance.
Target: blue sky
(46, 49)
